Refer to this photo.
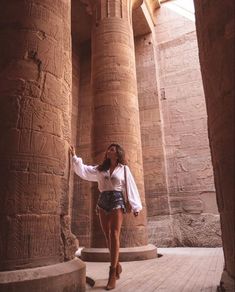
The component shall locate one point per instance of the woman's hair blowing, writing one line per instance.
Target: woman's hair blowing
(105, 165)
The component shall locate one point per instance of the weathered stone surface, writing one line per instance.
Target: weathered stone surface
(151, 130)
(186, 204)
(69, 240)
(197, 231)
(160, 231)
(185, 230)
(69, 276)
(183, 111)
(116, 109)
(215, 29)
(34, 108)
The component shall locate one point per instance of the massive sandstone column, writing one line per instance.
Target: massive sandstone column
(35, 104)
(116, 111)
(215, 29)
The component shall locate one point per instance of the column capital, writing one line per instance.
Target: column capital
(134, 4)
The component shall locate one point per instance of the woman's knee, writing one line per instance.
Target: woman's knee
(115, 234)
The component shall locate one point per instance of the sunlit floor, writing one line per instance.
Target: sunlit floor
(178, 270)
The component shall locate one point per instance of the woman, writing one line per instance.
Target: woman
(110, 176)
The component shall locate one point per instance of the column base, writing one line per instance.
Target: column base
(68, 276)
(226, 283)
(127, 254)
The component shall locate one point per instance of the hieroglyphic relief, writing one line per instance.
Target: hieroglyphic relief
(32, 192)
(111, 9)
(35, 113)
(31, 238)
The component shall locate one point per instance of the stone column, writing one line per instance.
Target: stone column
(116, 110)
(215, 30)
(35, 105)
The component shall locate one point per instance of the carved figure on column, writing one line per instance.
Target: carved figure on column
(35, 111)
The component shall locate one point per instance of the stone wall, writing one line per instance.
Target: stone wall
(189, 169)
(159, 222)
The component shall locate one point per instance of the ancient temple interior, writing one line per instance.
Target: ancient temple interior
(155, 76)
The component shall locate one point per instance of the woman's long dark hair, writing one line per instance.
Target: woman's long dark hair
(105, 165)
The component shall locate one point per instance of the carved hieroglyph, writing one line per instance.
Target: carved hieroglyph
(116, 111)
(35, 86)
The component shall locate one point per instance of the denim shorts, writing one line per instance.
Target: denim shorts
(110, 200)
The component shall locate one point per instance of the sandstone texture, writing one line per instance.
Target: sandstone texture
(216, 46)
(35, 107)
(171, 112)
(35, 125)
(189, 182)
(197, 230)
(115, 107)
(91, 73)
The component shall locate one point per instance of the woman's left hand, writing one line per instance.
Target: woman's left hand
(136, 214)
(72, 150)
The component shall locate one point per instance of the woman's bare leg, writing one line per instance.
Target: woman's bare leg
(116, 218)
(105, 225)
(111, 225)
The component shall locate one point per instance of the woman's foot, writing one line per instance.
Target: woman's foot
(112, 279)
(118, 271)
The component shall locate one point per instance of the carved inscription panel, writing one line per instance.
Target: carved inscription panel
(35, 110)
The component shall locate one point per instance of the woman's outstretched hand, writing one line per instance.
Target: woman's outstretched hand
(72, 150)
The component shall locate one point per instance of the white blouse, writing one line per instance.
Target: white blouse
(107, 182)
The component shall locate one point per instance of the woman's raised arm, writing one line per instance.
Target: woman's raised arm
(87, 172)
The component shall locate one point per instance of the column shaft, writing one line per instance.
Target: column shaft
(116, 110)
(35, 93)
(214, 22)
